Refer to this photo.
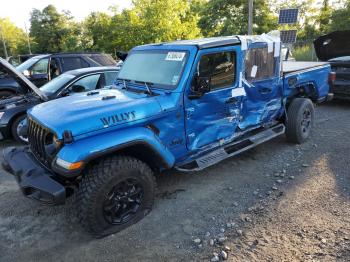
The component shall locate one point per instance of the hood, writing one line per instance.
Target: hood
(13, 72)
(335, 44)
(88, 112)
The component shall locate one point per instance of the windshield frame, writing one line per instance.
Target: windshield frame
(31, 61)
(54, 94)
(157, 51)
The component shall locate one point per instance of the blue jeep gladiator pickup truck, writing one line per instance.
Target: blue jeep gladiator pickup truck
(184, 105)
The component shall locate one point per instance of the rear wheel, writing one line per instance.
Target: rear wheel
(17, 129)
(5, 94)
(300, 120)
(114, 194)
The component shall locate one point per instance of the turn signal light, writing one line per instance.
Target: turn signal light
(332, 77)
(68, 165)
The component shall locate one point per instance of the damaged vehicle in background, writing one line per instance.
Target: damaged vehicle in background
(335, 48)
(43, 68)
(13, 109)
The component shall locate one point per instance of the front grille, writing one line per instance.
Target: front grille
(38, 136)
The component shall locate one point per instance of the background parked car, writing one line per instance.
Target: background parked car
(13, 109)
(43, 68)
(335, 48)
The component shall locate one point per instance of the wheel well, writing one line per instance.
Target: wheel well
(141, 151)
(13, 119)
(307, 90)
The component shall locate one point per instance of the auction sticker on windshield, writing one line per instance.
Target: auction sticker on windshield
(175, 56)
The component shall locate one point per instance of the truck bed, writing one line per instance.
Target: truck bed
(292, 66)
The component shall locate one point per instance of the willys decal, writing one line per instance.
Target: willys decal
(118, 118)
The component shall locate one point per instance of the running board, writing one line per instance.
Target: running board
(232, 149)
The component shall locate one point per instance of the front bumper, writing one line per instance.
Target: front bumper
(33, 179)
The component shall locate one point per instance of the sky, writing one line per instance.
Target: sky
(18, 11)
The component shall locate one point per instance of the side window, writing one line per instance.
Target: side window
(71, 63)
(87, 83)
(110, 77)
(221, 67)
(259, 64)
(40, 67)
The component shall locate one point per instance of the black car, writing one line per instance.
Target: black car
(41, 69)
(335, 48)
(13, 110)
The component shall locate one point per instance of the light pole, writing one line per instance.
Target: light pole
(250, 17)
(28, 40)
(3, 43)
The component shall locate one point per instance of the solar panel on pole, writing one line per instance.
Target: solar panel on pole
(288, 16)
(288, 36)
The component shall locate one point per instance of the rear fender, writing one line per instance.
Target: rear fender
(94, 147)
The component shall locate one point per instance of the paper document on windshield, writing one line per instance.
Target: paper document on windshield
(175, 56)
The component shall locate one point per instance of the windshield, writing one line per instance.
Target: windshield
(27, 64)
(161, 68)
(54, 85)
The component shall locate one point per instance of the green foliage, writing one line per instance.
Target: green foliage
(304, 52)
(15, 38)
(54, 31)
(153, 21)
(340, 18)
(227, 17)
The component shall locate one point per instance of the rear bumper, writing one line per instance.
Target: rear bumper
(341, 89)
(33, 179)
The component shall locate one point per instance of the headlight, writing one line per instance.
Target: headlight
(10, 106)
(1, 114)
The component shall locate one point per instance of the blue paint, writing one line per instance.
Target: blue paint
(187, 127)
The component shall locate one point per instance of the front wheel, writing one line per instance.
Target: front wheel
(114, 194)
(18, 129)
(300, 120)
(5, 94)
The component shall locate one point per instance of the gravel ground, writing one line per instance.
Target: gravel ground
(277, 202)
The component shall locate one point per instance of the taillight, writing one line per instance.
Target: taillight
(332, 77)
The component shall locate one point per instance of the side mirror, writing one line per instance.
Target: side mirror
(200, 86)
(78, 88)
(26, 73)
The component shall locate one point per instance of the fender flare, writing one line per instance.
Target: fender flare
(91, 148)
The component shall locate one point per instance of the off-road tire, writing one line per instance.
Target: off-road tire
(295, 131)
(5, 94)
(14, 126)
(99, 179)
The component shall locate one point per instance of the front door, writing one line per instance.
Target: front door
(213, 117)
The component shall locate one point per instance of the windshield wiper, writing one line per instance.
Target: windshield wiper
(147, 85)
(124, 82)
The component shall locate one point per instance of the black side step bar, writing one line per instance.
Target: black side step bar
(232, 149)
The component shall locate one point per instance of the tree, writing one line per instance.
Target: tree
(54, 31)
(154, 21)
(15, 38)
(227, 17)
(340, 18)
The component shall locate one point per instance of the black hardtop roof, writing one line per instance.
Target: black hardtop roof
(206, 42)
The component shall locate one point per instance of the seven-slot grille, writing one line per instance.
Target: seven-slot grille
(37, 136)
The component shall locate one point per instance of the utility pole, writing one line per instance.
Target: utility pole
(3, 43)
(250, 17)
(28, 40)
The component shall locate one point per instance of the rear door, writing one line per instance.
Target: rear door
(263, 86)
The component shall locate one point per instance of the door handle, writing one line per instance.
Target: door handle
(231, 100)
(265, 90)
